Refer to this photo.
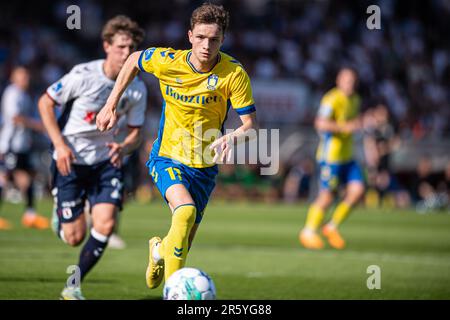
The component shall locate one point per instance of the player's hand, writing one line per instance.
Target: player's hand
(115, 153)
(351, 126)
(223, 149)
(20, 120)
(356, 124)
(64, 159)
(106, 118)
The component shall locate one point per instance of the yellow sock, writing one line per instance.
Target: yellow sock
(340, 213)
(314, 218)
(174, 247)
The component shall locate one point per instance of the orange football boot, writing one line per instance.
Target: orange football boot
(4, 224)
(334, 237)
(311, 240)
(35, 221)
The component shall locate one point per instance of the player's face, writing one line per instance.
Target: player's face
(206, 40)
(119, 49)
(381, 113)
(346, 81)
(21, 78)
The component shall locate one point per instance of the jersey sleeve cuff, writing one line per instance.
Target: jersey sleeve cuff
(141, 67)
(246, 110)
(51, 98)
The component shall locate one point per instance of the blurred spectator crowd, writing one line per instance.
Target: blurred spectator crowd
(407, 61)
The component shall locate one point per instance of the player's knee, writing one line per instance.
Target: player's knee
(324, 200)
(355, 193)
(74, 238)
(358, 189)
(105, 227)
(323, 204)
(23, 181)
(361, 190)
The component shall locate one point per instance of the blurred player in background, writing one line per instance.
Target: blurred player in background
(198, 87)
(380, 141)
(337, 120)
(87, 163)
(16, 138)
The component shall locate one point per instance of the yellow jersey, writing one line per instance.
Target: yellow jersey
(195, 104)
(336, 106)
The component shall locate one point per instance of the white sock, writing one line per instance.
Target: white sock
(155, 252)
(331, 225)
(308, 231)
(100, 237)
(61, 235)
(30, 212)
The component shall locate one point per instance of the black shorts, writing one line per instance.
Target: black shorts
(98, 183)
(17, 161)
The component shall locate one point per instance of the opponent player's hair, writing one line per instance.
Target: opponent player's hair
(122, 24)
(209, 13)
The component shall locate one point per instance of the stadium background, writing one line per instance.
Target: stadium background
(291, 50)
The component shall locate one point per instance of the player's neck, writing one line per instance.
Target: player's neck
(109, 71)
(20, 87)
(203, 67)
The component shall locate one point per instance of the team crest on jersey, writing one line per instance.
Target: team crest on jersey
(212, 82)
(148, 53)
(57, 87)
(325, 173)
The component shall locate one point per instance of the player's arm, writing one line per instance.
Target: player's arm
(13, 112)
(64, 155)
(29, 123)
(325, 121)
(107, 118)
(246, 132)
(135, 120)
(370, 151)
(130, 143)
(327, 125)
(241, 99)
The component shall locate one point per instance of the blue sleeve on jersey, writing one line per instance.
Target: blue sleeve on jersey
(246, 110)
(147, 55)
(140, 61)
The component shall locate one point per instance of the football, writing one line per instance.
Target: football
(189, 284)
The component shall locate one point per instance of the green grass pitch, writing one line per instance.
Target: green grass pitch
(250, 250)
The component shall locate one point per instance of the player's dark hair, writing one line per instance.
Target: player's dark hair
(209, 13)
(122, 24)
(349, 68)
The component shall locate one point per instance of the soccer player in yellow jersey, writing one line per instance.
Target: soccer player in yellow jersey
(337, 120)
(198, 87)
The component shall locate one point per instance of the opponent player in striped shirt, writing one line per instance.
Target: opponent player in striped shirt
(87, 163)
